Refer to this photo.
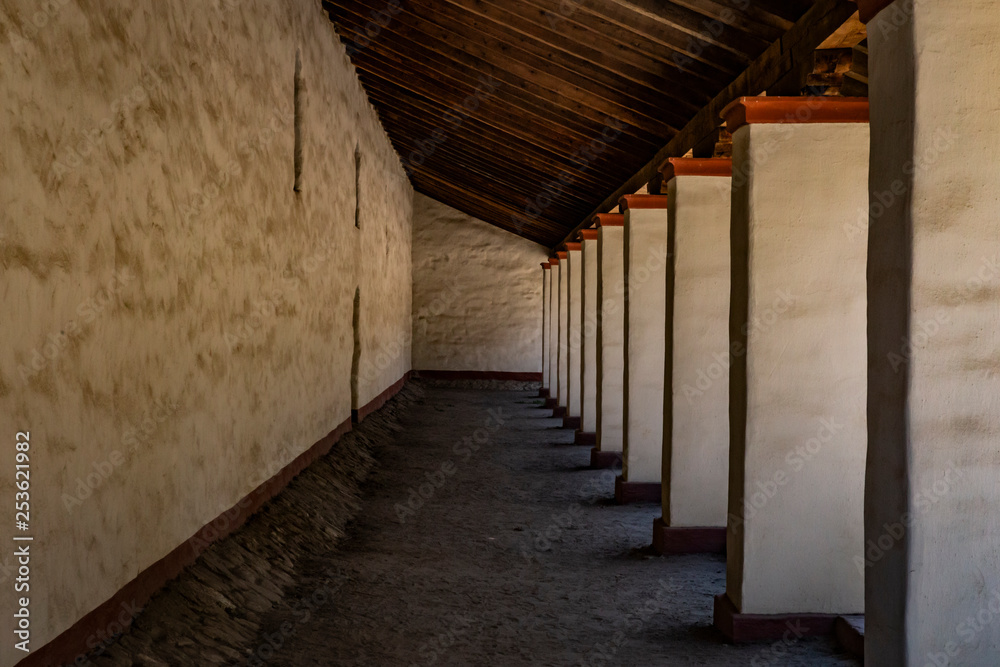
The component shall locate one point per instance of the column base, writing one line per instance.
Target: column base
(584, 438)
(543, 393)
(601, 460)
(669, 540)
(636, 492)
(572, 423)
(850, 633)
(739, 628)
(558, 412)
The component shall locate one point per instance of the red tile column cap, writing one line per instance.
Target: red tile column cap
(609, 220)
(562, 254)
(692, 166)
(588, 234)
(636, 202)
(751, 110)
(572, 246)
(869, 9)
(546, 265)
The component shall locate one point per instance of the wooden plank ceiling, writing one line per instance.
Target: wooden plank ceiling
(488, 101)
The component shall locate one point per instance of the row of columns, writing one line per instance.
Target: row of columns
(719, 338)
(827, 330)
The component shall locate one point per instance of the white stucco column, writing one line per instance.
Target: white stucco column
(932, 528)
(797, 382)
(610, 340)
(695, 490)
(562, 339)
(575, 293)
(587, 435)
(552, 401)
(546, 322)
(647, 242)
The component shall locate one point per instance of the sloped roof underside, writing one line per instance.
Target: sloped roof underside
(533, 114)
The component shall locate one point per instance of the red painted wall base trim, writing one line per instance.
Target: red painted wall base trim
(479, 375)
(357, 416)
(603, 460)
(850, 633)
(869, 9)
(668, 540)
(739, 628)
(637, 492)
(571, 423)
(65, 648)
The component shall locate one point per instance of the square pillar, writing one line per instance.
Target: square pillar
(575, 310)
(546, 324)
(646, 250)
(562, 338)
(610, 340)
(587, 435)
(695, 489)
(797, 382)
(552, 402)
(932, 531)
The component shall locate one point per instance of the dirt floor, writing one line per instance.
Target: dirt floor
(482, 539)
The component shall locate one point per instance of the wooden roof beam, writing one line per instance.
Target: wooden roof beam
(822, 19)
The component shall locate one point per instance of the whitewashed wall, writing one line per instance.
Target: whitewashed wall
(177, 321)
(477, 294)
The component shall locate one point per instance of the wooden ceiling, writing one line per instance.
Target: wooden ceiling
(492, 104)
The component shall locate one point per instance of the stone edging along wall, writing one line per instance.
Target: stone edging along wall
(79, 639)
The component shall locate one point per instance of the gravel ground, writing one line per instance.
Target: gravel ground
(482, 539)
(519, 557)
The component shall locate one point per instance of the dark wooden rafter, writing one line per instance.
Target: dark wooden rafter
(714, 43)
(631, 69)
(799, 43)
(592, 28)
(564, 65)
(514, 69)
(769, 20)
(533, 154)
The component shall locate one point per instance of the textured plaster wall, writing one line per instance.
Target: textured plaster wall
(563, 339)
(646, 252)
(546, 320)
(477, 298)
(553, 356)
(575, 313)
(588, 371)
(177, 321)
(797, 384)
(933, 589)
(610, 338)
(696, 414)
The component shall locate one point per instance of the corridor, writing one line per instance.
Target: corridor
(517, 555)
